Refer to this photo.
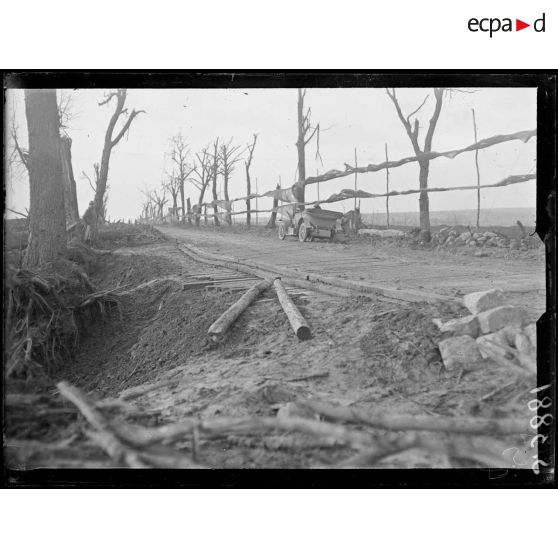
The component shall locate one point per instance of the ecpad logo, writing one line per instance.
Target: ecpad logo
(494, 24)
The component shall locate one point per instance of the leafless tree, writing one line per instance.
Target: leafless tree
(215, 166)
(19, 154)
(413, 133)
(111, 141)
(94, 185)
(66, 110)
(250, 149)
(230, 155)
(181, 169)
(172, 186)
(148, 207)
(203, 171)
(47, 230)
(306, 131)
(159, 199)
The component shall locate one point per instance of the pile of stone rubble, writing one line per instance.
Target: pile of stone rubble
(494, 330)
(450, 236)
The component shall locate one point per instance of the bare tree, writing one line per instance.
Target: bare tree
(68, 180)
(111, 141)
(250, 148)
(424, 163)
(179, 156)
(148, 207)
(47, 231)
(94, 185)
(230, 155)
(65, 109)
(306, 131)
(203, 171)
(172, 186)
(159, 199)
(19, 156)
(215, 165)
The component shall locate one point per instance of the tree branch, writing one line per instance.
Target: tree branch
(405, 122)
(133, 114)
(439, 94)
(415, 111)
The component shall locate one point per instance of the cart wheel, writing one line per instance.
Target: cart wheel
(281, 233)
(302, 232)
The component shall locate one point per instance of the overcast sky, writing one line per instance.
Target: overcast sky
(361, 118)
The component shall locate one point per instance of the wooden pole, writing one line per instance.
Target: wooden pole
(356, 174)
(224, 322)
(298, 323)
(477, 167)
(387, 188)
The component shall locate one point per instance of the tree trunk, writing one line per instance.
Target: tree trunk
(47, 230)
(300, 147)
(68, 181)
(189, 210)
(181, 185)
(226, 193)
(248, 192)
(214, 192)
(271, 222)
(102, 180)
(423, 201)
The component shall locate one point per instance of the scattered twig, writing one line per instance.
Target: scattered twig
(494, 392)
(104, 436)
(308, 377)
(388, 421)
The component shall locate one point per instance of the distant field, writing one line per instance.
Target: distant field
(503, 217)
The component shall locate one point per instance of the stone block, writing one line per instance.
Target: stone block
(459, 353)
(500, 317)
(486, 341)
(468, 325)
(484, 300)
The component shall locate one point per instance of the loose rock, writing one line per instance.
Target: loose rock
(487, 341)
(459, 353)
(500, 317)
(468, 325)
(484, 300)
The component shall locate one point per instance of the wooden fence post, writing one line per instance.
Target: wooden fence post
(387, 188)
(477, 167)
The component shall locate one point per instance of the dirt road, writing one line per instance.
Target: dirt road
(382, 264)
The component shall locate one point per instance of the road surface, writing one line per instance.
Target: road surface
(382, 264)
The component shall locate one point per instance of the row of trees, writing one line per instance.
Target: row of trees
(53, 200)
(53, 207)
(202, 170)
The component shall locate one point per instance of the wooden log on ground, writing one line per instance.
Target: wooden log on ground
(105, 436)
(223, 323)
(298, 323)
(389, 421)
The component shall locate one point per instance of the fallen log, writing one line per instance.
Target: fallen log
(388, 421)
(105, 436)
(298, 323)
(224, 322)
